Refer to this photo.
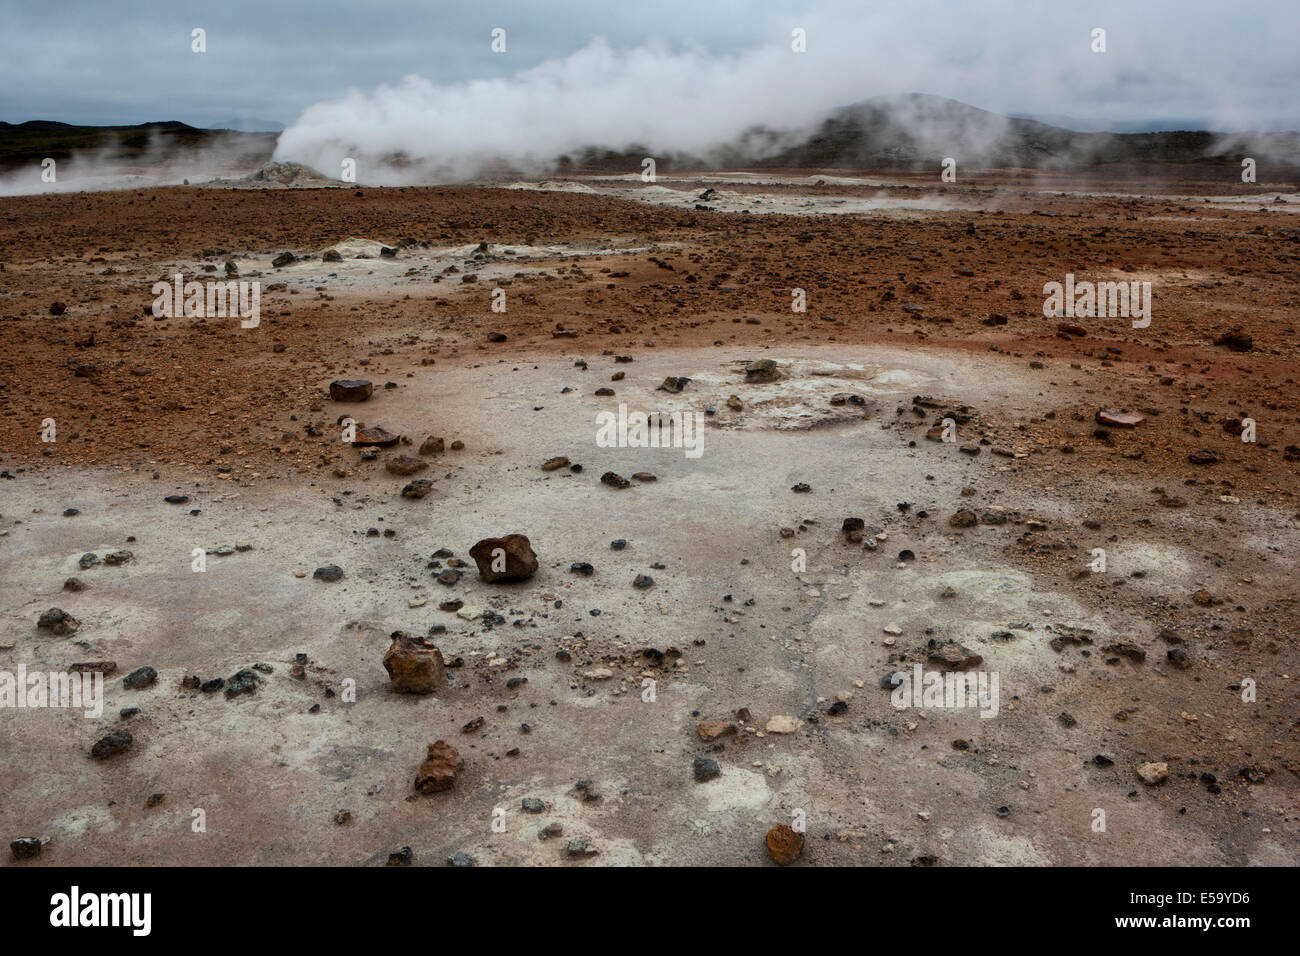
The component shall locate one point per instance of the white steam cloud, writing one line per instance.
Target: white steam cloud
(649, 97)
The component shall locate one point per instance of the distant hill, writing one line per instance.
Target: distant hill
(917, 131)
(23, 144)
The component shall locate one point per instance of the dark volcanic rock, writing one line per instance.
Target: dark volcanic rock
(25, 848)
(58, 621)
(351, 390)
(417, 488)
(764, 370)
(140, 678)
(242, 682)
(117, 742)
(705, 768)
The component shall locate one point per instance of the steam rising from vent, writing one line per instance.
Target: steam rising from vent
(646, 98)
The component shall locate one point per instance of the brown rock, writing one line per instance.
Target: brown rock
(954, 657)
(418, 488)
(963, 519)
(504, 559)
(439, 769)
(713, 729)
(432, 446)
(784, 843)
(378, 436)
(414, 664)
(405, 465)
(1117, 419)
(553, 464)
(91, 667)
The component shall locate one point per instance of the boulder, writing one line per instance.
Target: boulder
(504, 559)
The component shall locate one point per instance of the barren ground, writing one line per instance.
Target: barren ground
(900, 276)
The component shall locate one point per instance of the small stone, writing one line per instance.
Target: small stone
(140, 678)
(25, 848)
(705, 768)
(713, 729)
(1237, 340)
(112, 744)
(438, 771)
(417, 489)
(432, 446)
(953, 656)
(783, 724)
(532, 805)
(784, 843)
(330, 573)
(404, 465)
(1153, 774)
(414, 664)
(58, 621)
(1119, 419)
(402, 857)
(614, 480)
(351, 390)
(241, 682)
(554, 464)
(642, 581)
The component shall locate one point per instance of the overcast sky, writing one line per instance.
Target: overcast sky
(1229, 64)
